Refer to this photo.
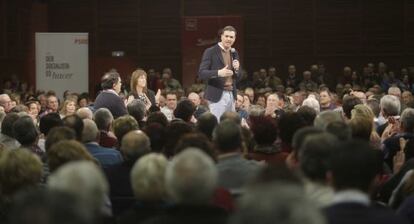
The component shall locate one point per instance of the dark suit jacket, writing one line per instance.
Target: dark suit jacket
(121, 194)
(211, 62)
(190, 214)
(355, 213)
(111, 101)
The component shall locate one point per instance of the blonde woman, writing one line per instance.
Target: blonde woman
(362, 113)
(68, 108)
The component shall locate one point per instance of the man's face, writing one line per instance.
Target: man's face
(5, 102)
(297, 99)
(239, 101)
(347, 71)
(228, 38)
(53, 103)
(250, 94)
(272, 71)
(292, 69)
(406, 97)
(171, 101)
(263, 73)
(325, 99)
(118, 85)
(272, 101)
(195, 98)
(307, 75)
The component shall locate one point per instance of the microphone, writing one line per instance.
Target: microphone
(233, 55)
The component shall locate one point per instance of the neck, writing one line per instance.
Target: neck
(139, 89)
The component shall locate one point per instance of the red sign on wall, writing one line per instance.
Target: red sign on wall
(199, 33)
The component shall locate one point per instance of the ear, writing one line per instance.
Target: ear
(329, 178)
(291, 162)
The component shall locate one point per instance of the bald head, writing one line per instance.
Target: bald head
(85, 112)
(90, 131)
(195, 98)
(5, 102)
(134, 145)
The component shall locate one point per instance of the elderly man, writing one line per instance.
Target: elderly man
(195, 98)
(135, 144)
(5, 102)
(190, 181)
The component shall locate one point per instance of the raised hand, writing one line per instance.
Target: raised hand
(225, 72)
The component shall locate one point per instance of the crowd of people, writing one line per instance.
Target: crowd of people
(310, 148)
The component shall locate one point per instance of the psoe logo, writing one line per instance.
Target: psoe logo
(81, 41)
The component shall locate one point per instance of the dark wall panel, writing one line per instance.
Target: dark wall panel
(277, 32)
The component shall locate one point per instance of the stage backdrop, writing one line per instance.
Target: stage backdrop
(62, 62)
(199, 33)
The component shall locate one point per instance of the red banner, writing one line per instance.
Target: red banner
(199, 33)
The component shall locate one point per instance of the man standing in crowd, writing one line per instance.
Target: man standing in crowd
(111, 84)
(220, 67)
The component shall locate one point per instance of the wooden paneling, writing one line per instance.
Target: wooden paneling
(383, 27)
(117, 27)
(278, 32)
(3, 31)
(408, 27)
(160, 35)
(338, 27)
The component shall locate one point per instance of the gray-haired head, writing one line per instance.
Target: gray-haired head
(276, 203)
(84, 180)
(85, 112)
(137, 109)
(90, 131)
(191, 177)
(134, 145)
(390, 105)
(103, 119)
(407, 120)
(325, 118)
(148, 177)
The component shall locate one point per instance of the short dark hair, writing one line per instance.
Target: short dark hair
(300, 136)
(196, 140)
(25, 131)
(354, 165)
(228, 28)
(231, 115)
(348, 104)
(58, 134)
(308, 114)
(206, 124)
(76, 123)
(264, 129)
(49, 121)
(315, 155)
(289, 123)
(227, 136)
(7, 124)
(157, 117)
(157, 134)
(137, 109)
(340, 129)
(174, 132)
(184, 110)
(109, 79)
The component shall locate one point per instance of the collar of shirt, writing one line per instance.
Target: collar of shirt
(354, 196)
(110, 91)
(221, 46)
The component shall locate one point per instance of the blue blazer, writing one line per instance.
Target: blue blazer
(211, 62)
